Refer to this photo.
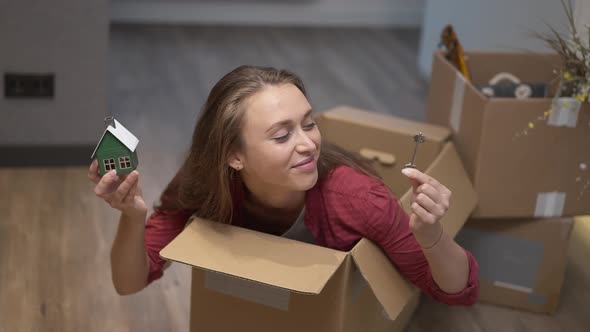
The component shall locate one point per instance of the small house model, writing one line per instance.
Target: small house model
(116, 149)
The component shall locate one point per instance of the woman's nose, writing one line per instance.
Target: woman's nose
(304, 142)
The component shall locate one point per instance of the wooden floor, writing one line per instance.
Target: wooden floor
(55, 235)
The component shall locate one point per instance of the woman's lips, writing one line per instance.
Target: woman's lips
(307, 164)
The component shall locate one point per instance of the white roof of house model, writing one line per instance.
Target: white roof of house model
(122, 134)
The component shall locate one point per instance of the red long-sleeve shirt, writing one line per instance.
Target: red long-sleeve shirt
(340, 210)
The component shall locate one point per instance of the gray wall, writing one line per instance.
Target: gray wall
(269, 12)
(70, 39)
(488, 25)
(582, 16)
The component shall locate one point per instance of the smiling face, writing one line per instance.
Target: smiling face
(280, 141)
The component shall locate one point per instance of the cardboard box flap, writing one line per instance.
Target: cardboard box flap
(387, 122)
(390, 288)
(256, 256)
(527, 67)
(449, 171)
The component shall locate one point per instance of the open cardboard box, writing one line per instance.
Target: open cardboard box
(245, 280)
(523, 162)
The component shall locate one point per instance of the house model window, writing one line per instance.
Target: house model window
(109, 164)
(124, 162)
(116, 144)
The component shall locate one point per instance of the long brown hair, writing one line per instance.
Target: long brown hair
(205, 183)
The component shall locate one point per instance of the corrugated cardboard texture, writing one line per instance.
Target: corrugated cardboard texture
(522, 261)
(512, 172)
(348, 302)
(386, 122)
(511, 152)
(440, 105)
(220, 312)
(529, 67)
(367, 314)
(390, 288)
(580, 244)
(248, 290)
(357, 130)
(243, 253)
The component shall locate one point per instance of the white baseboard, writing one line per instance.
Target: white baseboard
(360, 13)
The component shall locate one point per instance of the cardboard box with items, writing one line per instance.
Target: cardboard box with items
(250, 281)
(526, 156)
(522, 261)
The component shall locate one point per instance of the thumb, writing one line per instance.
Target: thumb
(415, 183)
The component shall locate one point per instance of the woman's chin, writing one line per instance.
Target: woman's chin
(307, 181)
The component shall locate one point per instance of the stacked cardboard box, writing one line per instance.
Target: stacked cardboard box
(522, 261)
(528, 160)
(249, 281)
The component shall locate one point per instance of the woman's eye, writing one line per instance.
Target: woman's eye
(309, 126)
(283, 138)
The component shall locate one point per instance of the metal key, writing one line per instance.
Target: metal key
(419, 139)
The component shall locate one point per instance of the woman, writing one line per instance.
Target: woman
(257, 161)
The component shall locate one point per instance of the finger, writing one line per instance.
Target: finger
(130, 195)
(415, 184)
(416, 175)
(422, 214)
(93, 174)
(434, 194)
(441, 198)
(429, 191)
(124, 188)
(102, 189)
(134, 188)
(429, 205)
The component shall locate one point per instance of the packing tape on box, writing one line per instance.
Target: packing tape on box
(550, 204)
(457, 106)
(533, 297)
(517, 288)
(505, 260)
(564, 112)
(248, 290)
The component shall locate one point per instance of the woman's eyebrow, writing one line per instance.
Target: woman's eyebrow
(286, 122)
(279, 124)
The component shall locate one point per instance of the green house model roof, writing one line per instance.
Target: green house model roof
(122, 134)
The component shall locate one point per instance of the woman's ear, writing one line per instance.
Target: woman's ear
(235, 162)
